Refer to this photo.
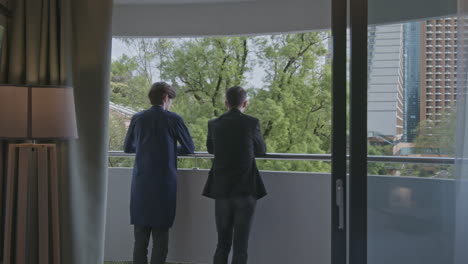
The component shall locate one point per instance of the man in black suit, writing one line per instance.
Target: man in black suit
(234, 181)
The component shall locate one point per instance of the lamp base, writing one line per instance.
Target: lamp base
(32, 216)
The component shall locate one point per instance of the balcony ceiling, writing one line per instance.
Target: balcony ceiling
(175, 2)
(179, 18)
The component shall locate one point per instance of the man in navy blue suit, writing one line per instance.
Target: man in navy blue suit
(153, 135)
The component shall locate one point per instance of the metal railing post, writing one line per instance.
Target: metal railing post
(195, 164)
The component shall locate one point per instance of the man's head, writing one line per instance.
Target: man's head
(236, 97)
(161, 93)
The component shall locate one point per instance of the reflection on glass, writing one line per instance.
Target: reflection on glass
(412, 104)
(412, 75)
(401, 197)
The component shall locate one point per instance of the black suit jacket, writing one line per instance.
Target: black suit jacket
(235, 139)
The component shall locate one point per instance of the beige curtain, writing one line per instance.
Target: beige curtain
(69, 42)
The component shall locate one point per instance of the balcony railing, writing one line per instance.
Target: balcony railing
(318, 157)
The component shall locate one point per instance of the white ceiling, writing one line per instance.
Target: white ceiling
(175, 2)
(178, 18)
(219, 18)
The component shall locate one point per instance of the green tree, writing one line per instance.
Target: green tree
(437, 136)
(293, 104)
(117, 132)
(127, 87)
(149, 54)
(294, 107)
(380, 168)
(204, 68)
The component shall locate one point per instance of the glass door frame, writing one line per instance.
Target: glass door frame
(339, 137)
(349, 211)
(357, 242)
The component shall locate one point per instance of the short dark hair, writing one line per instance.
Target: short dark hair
(158, 91)
(236, 96)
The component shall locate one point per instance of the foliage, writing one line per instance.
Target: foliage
(204, 68)
(117, 132)
(379, 168)
(127, 85)
(293, 105)
(437, 137)
(293, 102)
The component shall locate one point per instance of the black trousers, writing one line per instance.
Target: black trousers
(233, 220)
(160, 245)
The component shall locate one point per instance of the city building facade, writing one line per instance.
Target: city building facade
(385, 82)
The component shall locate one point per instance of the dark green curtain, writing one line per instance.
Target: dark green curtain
(68, 42)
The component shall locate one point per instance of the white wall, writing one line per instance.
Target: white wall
(291, 225)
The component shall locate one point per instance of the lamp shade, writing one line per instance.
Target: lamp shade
(37, 112)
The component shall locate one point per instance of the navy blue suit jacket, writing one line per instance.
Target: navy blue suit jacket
(153, 135)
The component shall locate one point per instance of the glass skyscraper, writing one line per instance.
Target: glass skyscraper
(412, 79)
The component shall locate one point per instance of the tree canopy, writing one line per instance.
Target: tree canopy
(292, 102)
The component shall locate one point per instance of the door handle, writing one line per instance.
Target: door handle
(340, 203)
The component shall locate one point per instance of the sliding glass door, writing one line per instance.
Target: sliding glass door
(405, 81)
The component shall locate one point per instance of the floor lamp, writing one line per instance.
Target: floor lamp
(33, 113)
